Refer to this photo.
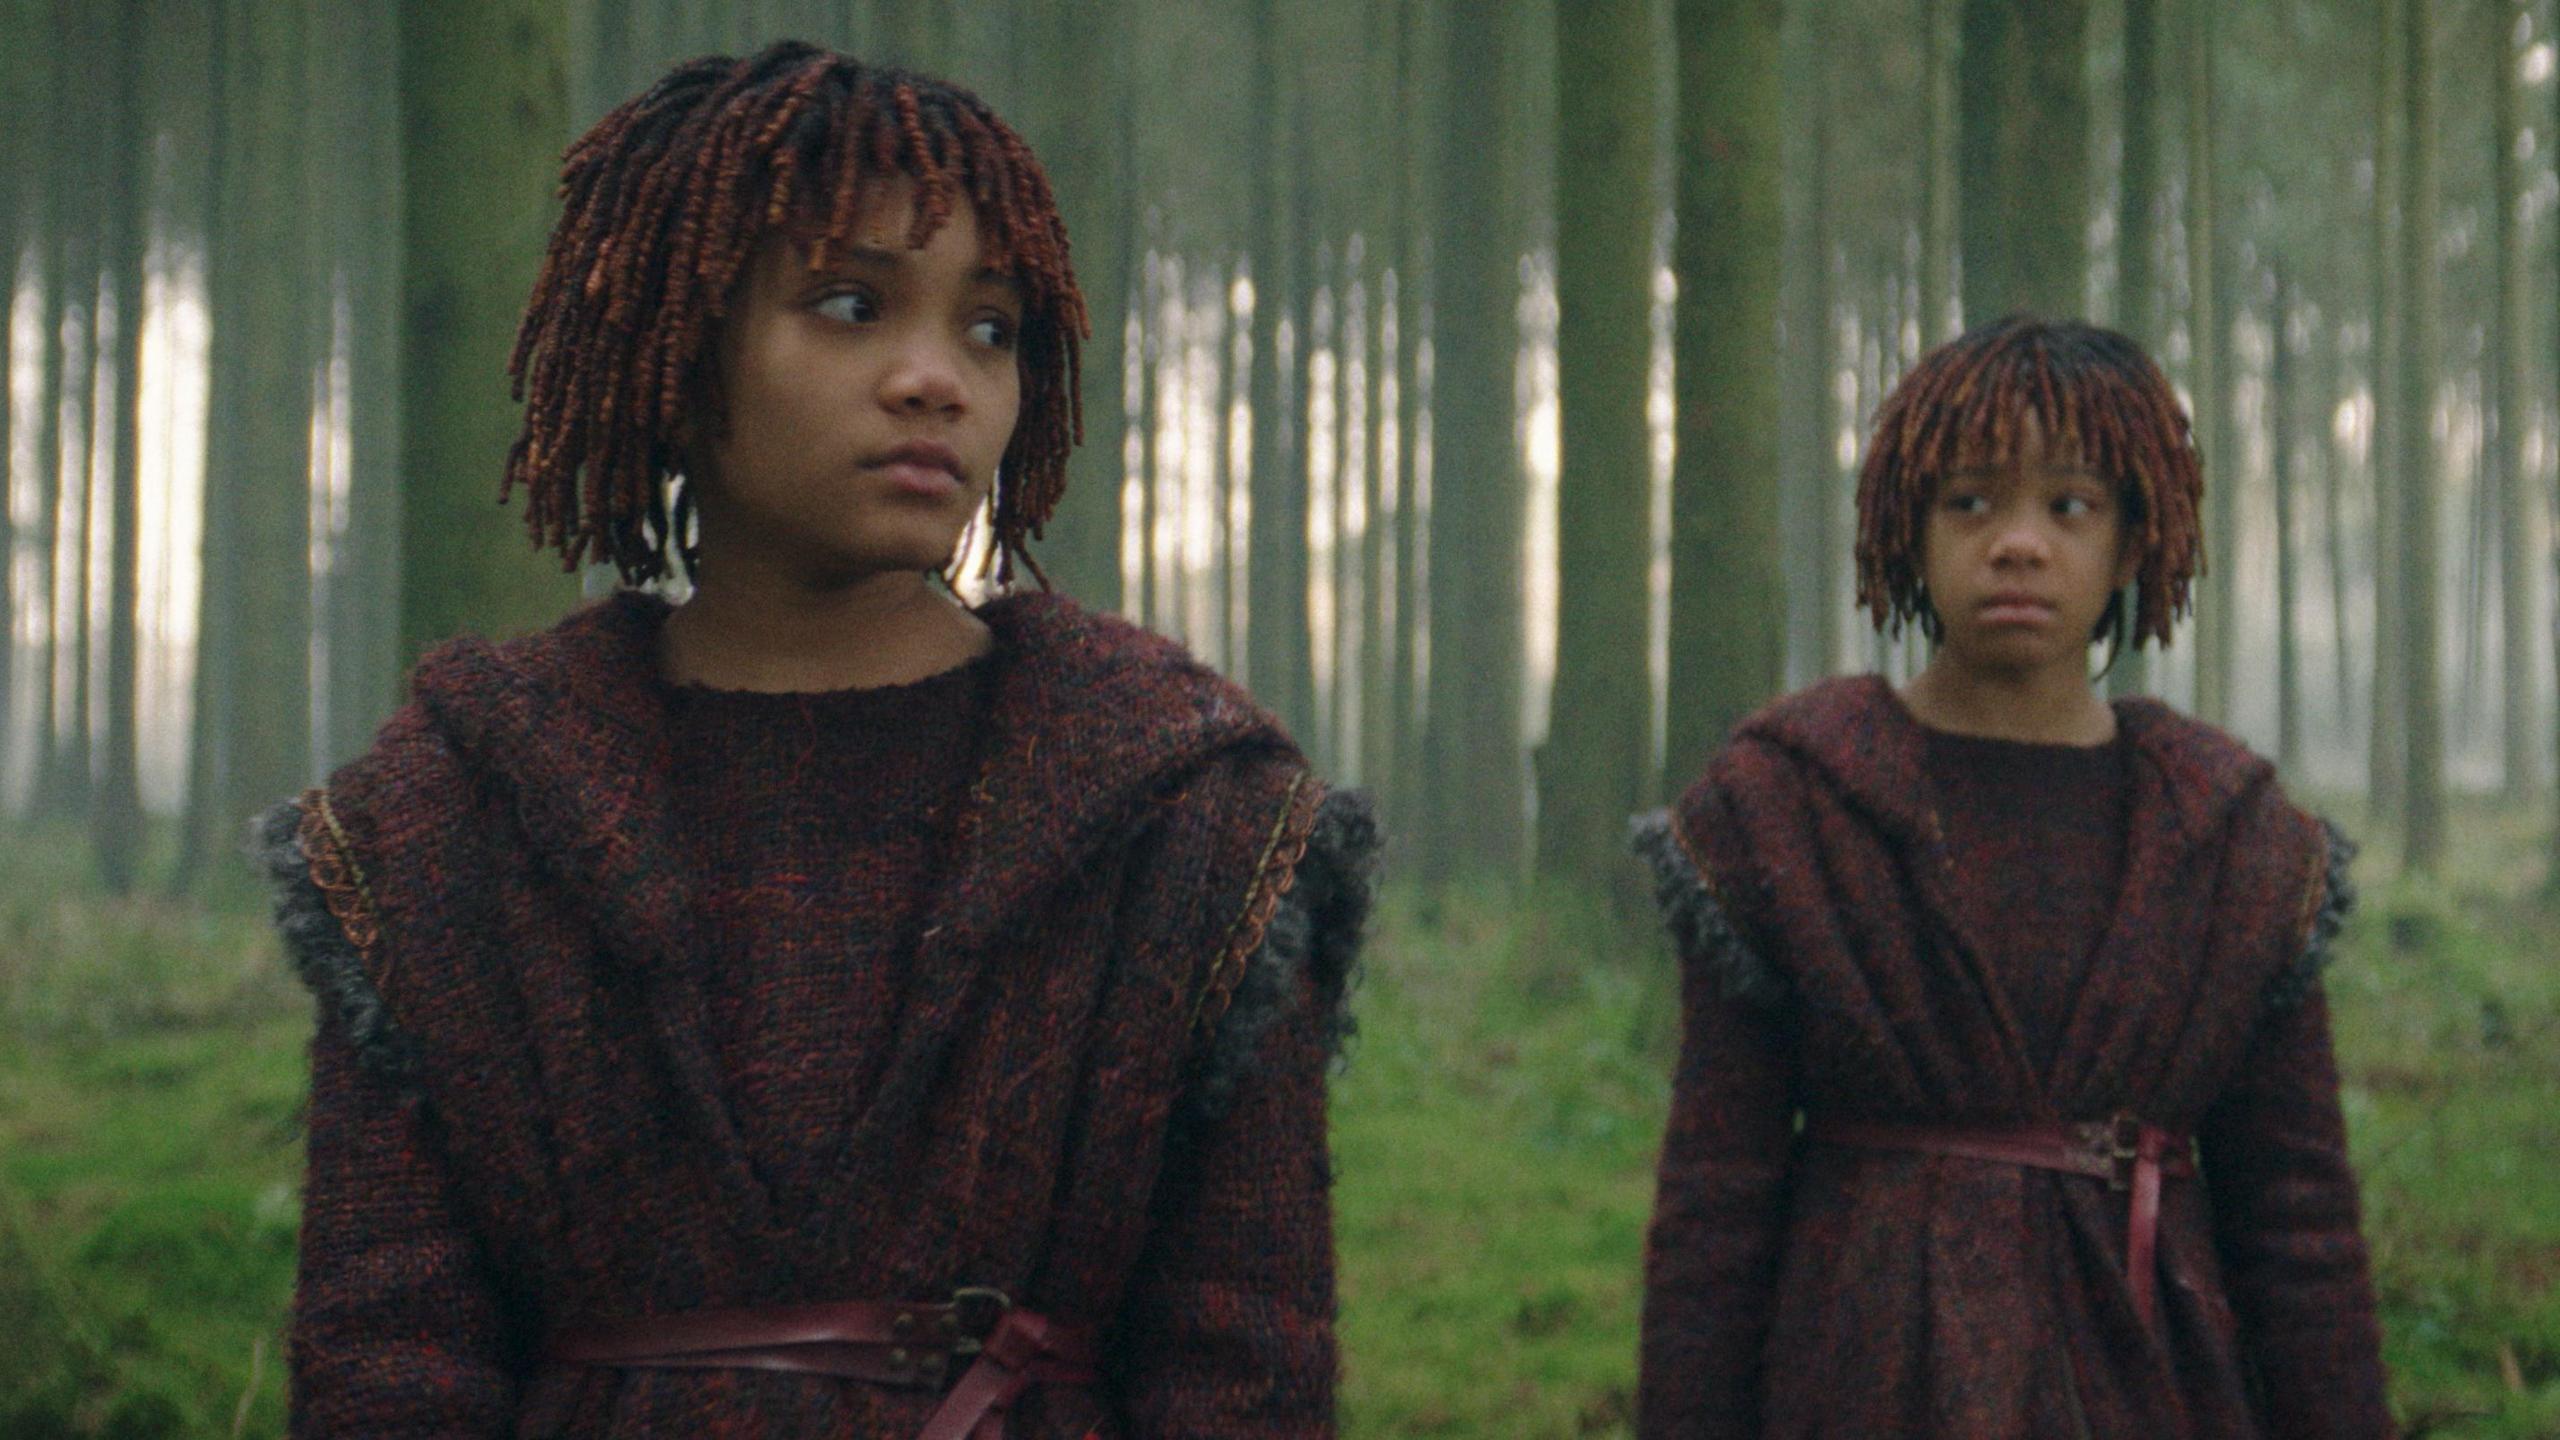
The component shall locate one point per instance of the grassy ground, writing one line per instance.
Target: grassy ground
(1494, 1138)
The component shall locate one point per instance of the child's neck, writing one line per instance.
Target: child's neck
(2048, 706)
(748, 629)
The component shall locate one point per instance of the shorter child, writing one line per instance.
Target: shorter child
(2005, 1103)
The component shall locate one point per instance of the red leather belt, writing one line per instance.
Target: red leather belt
(2124, 1151)
(1007, 1350)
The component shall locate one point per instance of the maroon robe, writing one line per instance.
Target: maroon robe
(1100, 1089)
(1798, 1289)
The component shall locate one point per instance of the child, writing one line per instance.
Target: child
(822, 1009)
(2038, 975)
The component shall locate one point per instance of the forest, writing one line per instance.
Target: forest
(1480, 382)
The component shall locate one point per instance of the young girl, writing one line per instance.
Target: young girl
(2005, 1104)
(821, 1009)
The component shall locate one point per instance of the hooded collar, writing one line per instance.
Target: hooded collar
(1865, 743)
(1090, 718)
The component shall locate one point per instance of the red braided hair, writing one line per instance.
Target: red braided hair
(1970, 397)
(663, 203)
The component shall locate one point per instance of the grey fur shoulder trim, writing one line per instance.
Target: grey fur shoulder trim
(1314, 937)
(2337, 902)
(320, 953)
(1699, 928)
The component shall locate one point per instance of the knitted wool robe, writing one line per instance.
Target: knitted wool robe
(1099, 1089)
(1831, 966)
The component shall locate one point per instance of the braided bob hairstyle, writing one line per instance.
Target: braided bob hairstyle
(664, 203)
(1966, 402)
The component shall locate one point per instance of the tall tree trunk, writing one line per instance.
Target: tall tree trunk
(64, 439)
(483, 115)
(1472, 740)
(2282, 407)
(1278, 647)
(1942, 191)
(1728, 618)
(2388, 760)
(2215, 621)
(364, 672)
(1417, 38)
(27, 67)
(2138, 230)
(2024, 157)
(1091, 161)
(255, 613)
(2332, 468)
(1831, 487)
(1593, 770)
(2422, 507)
(2511, 334)
(115, 811)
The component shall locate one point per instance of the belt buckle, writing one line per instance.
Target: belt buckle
(2123, 1148)
(976, 1311)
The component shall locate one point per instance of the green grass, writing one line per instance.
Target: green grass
(1494, 1136)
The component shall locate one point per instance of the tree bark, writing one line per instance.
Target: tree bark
(2510, 334)
(2215, 620)
(2421, 520)
(2387, 764)
(1278, 646)
(2282, 407)
(115, 811)
(2138, 231)
(483, 115)
(1096, 192)
(1593, 770)
(2024, 157)
(1472, 738)
(1728, 620)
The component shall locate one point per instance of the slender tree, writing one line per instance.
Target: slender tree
(1942, 194)
(115, 810)
(1728, 620)
(1091, 162)
(2421, 516)
(2388, 758)
(364, 672)
(2510, 334)
(1593, 770)
(2282, 401)
(1278, 647)
(1472, 741)
(483, 114)
(2024, 156)
(2216, 621)
(2138, 232)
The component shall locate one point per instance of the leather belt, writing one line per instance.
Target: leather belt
(1008, 1350)
(2124, 1151)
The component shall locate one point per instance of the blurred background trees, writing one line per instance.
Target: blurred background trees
(1479, 382)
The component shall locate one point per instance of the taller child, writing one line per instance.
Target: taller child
(822, 1009)
(2005, 1104)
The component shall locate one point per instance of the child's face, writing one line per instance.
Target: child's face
(868, 402)
(2022, 556)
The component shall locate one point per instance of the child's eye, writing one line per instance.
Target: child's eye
(849, 307)
(2073, 506)
(993, 331)
(1967, 503)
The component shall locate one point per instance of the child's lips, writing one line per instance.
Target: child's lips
(2015, 610)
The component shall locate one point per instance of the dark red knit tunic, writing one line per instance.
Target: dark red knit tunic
(639, 1000)
(1848, 951)
(2035, 836)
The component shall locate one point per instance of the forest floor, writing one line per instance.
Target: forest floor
(1494, 1137)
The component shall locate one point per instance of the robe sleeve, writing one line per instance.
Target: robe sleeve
(2274, 1148)
(1228, 1328)
(1711, 1255)
(396, 1329)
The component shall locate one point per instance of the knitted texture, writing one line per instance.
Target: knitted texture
(1815, 1290)
(671, 1049)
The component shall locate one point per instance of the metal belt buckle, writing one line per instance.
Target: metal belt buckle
(975, 1312)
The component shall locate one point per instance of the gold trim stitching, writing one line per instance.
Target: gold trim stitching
(1262, 901)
